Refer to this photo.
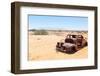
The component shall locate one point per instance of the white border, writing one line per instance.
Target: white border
(24, 11)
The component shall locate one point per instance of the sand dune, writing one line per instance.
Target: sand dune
(42, 47)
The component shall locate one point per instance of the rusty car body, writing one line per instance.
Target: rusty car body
(72, 43)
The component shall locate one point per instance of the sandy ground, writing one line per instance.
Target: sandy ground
(42, 47)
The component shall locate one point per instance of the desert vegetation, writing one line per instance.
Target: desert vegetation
(40, 32)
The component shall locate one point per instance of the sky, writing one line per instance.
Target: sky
(57, 22)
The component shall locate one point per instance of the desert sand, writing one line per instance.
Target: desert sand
(43, 47)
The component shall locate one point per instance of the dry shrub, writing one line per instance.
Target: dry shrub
(40, 32)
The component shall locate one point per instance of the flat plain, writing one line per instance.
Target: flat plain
(43, 47)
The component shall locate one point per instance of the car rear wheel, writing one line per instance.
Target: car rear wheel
(86, 44)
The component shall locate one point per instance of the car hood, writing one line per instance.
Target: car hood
(67, 45)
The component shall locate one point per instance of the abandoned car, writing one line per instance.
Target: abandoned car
(71, 44)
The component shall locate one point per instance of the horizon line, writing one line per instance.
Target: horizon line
(57, 29)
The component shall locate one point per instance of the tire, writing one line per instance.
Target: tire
(72, 50)
(86, 44)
